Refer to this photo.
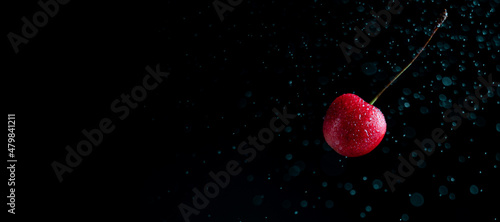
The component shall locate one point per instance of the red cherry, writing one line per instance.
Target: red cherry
(353, 127)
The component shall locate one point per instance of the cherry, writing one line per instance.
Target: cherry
(353, 127)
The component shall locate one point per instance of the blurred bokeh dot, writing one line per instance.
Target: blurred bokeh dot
(377, 184)
(305, 142)
(442, 97)
(461, 159)
(257, 200)
(303, 203)
(405, 217)
(416, 199)
(329, 204)
(348, 186)
(443, 190)
(369, 68)
(424, 110)
(248, 94)
(446, 81)
(452, 196)
(294, 171)
(407, 91)
(473, 189)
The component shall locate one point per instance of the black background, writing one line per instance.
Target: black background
(225, 79)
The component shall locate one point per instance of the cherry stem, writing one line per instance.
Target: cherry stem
(440, 21)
